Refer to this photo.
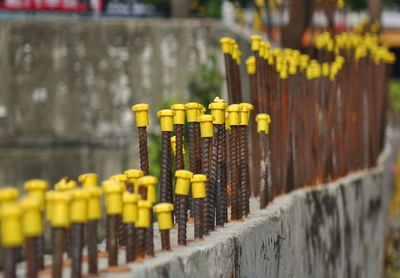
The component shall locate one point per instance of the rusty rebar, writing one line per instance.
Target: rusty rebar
(91, 235)
(31, 252)
(112, 240)
(179, 161)
(68, 242)
(198, 221)
(121, 232)
(221, 198)
(9, 262)
(234, 173)
(143, 150)
(76, 249)
(165, 240)
(244, 181)
(264, 194)
(140, 243)
(211, 190)
(40, 252)
(181, 217)
(197, 148)
(130, 242)
(58, 250)
(166, 194)
(205, 170)
(149, 244)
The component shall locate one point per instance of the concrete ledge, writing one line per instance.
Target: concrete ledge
(335, 230)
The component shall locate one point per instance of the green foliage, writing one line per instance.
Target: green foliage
(394, 94)
(205, 83)
(362, 4)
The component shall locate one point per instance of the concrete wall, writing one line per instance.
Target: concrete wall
(334, 230)
(68, 85)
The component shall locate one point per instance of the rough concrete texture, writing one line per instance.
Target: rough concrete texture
(334, 230)
(68, 85)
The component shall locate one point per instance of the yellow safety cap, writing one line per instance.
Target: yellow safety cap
(218, 112)
(179, 113)
(11, 226)
(164, 215)
(219, 100)
(166, 119)
(49, 204)
(65, 184)
(183, 182)
(226, 45)
(119, 177)
(94, 203)
(202, 109)
(199, 186)
(36, 184)
(8, 195)
(144, 214)
(173, 145)
(147, 180)
(263, 121)
(245, 113)
(251, 65)
(141, 114)
(89, 179)
(227, 126)
(192, 111)
(130, 210)
(79, 206)
(113, 192)
(255, 42)
(233, 114)
(32, 223)
(133, 174)
(206, 126)
(151, 193)
(60, 210)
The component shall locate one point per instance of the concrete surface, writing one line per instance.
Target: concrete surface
(333, 230)
(68, 86)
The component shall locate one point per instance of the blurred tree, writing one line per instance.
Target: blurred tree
(180, 8)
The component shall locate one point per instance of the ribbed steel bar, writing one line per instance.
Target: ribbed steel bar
(181, 217)
(143, 150)
(213, 178)
(166, 171)
(221, 198)
(140, 242)
(9, 262)
(165, 240)
(130, 242)
(58, 250)
(40, 252)
(234, 173)
(76, 249)
(198, 219)
(113, 240)
(149, 245)
(244, 171)
(31, 257)
(205, 170)
(91, 235)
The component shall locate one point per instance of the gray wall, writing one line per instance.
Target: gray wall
(68, 85)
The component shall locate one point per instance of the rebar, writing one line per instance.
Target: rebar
(165, 240)
(149, 245)
(198, 221)
(234, 173)
(179, 147)
(181, 217)
(211, 190)
(76, 249)
(244, 171)
(31, 256)
(140, 242)
(121, 232)
(40, 252)
(205, 170)
(58, 250)
(166, 194)
(91, 235)
(112, 240)
(9, 262)
(143, 150)
(221, 198)
(130, 242)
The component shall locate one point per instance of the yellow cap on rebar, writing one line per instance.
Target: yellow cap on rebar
(255, 42)
(199, 186)
(65, 184)
(227, 126)
(49, 204)
(149, 182)
(192, 111)
(233, 114)
(183, 182)
(164, 215)
(206, 126)
(130, 210)
(94, 203)
(11, 228)
(8, 195)
(141, 114)
(32, 223)
(179, 113)
(121, 178)
(225, 45)
(251, 65)
(166, 119)
(113, 193)
(89, 179)
(79, 206)
(37, 188)
(133, 174)
(144, 214)
(202, 109)
(245, 111)
(218, 112)
(173, 145)
(263, 121)
(60, 215)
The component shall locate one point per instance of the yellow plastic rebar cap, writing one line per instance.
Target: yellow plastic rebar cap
(144, 215)
(263, 120)
(147, 180)
(130, 210)
(184, 174)
(112, 186)
(226, 45)
(246, 108)
(198, 186)
(89, 179)
(251, 65)
(233, 114)
(206, 125)
(255, 42)
(192, 111)
(36, 184)
(94, 192)
(218, 111)
(65, 184)
(130, 197)
(179, 113)
(60, 215)
(8, 194)
(183, 182)
(32, 224)
(166, 119)
(119, 177)
(141, 114)
(163, 207)
(94, 204)
(11, 228)
(133, 174)
(145, 204)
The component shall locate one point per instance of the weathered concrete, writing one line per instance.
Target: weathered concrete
(68, 85)
(334, 230)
